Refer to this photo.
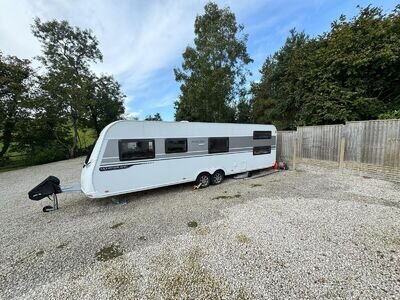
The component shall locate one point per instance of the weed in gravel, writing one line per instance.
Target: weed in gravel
(253, 185)
(242, 238)
(175, 284)
(281, 263)
(117, 225)
(192, 224)
(227, 196)
(40, 253)
(203, 231)
(121, 280)
(188, 276)
(110, 252)
(63, 245)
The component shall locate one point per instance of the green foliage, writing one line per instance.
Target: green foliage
(244, 113)
(49, 116)
(52, 151)
(351, 72)
(156, 117)
(80, 98)
(395, 114)
(105, 102)
(67, 53)
(213, 72)
(15, 80)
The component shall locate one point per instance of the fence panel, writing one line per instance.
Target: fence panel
(373, 148)
(285, 142)
(370, 147)
(319, 142)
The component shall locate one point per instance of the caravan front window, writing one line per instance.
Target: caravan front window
(136, 149)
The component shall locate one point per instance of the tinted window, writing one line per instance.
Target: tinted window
(261, 150)
(136, 149)
(175, 145)
(262, 135)
(216, 145)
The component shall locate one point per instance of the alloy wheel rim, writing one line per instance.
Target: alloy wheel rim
(204, 180)
(218, 178)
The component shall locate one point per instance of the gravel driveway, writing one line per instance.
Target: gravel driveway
(310, 233)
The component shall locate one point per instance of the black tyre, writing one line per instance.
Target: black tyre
(204, 179)
(217, 177)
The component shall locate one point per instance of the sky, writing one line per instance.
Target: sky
(143, 41)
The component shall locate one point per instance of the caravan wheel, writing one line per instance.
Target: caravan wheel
(203, 179)
(217, 177)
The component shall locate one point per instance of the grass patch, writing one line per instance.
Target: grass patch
(192, 224)
(117, 225)
(110, 252)
(242, 238)
(227, 196)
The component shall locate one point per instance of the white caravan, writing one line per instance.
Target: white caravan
(132, 156)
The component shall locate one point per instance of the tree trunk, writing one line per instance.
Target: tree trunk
(75, 138)
(96, 124)
(7, 136)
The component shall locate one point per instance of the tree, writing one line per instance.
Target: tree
(106, 102)
(67, 54)
(213, 73)
(279, 94)
(350, 73)
(15, 79)
(244, 112)
(156, 117)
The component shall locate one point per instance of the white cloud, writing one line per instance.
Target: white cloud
(138, 39)
(134, 115)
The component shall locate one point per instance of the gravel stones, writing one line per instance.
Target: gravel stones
(311, 233)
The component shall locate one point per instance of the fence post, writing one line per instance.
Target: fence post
(294, 150)
(342, 149)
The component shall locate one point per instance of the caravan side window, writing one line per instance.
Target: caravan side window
(261, 150)
(218, 144)
(175, 145)
(262, 135)
(136, 149)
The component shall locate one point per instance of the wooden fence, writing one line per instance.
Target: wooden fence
(370, 148)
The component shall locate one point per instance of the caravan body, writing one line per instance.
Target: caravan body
(132, 156)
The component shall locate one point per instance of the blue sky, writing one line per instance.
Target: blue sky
(142, 41)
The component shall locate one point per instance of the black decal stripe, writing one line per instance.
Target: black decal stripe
(121, 167)
(170, 158)
(178, 157)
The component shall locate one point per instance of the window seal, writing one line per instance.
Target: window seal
(217, 151)
(262, 135)
(170, 152)
(263, 150)
(136, 140)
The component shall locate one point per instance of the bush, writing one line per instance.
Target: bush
(395, 114)
(53, 152)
